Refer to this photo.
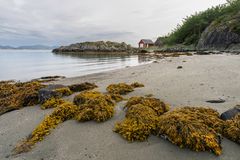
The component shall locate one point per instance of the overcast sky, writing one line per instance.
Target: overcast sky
(60, 22)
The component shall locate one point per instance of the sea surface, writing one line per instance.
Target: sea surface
(25, 65)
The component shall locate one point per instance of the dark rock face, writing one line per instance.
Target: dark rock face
(99, 46)
(159, 42)
(231, 113)
(218, 38)
(49, 92)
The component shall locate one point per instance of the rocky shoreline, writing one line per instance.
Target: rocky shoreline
(99, 47)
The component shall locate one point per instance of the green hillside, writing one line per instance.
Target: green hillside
(193, 26)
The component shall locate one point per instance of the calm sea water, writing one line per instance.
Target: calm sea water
(29, 64)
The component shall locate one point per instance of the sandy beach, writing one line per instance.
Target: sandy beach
(202, 78)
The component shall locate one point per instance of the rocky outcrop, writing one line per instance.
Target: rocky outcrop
(99, 46)
(158, 42)
(223, 35)
(48, 92)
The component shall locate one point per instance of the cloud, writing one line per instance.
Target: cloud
(57, 22)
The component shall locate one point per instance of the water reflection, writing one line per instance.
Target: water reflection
(29, 64)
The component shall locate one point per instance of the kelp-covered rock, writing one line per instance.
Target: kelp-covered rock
(232, 129)
(157, 105)
(142, 117)
(116, 90)
(48, 79)
(52, 103)
(137, 85)
(94, 105)
(50, 92)
(82, 87)
(116, 97)
(63, 112)
(123, 88)
(15, 95)
(140, 122)
(65, 91)
(120, 88)
(193, 128)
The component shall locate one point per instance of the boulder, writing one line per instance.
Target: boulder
(49, 92)
(231, 113)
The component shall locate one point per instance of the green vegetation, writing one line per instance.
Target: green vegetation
(192, 27)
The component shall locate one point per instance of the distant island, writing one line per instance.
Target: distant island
(99, 46)
(34, 47)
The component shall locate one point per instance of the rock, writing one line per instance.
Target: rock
(82, 86)
(202, 53)
(143, 51)
(159, 42)
(99, 46)
(221, 35)
(216, 101)
(231, 113)
(49, 78)
(49, 92)
(179, 67)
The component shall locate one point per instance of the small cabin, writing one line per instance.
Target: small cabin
(145, 43)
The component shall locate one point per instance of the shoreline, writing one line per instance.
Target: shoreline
(200, 79)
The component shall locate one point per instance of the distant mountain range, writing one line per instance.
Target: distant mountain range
(29, 47)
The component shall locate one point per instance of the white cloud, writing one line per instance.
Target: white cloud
(58, 22)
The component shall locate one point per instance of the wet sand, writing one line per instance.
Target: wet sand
(202, 78)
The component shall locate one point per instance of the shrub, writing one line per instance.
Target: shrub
(190, 30)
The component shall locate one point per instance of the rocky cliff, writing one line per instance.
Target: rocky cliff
(223, 35)
(99, 46)
(217, 28)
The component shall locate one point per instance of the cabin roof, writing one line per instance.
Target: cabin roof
(146, 41)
